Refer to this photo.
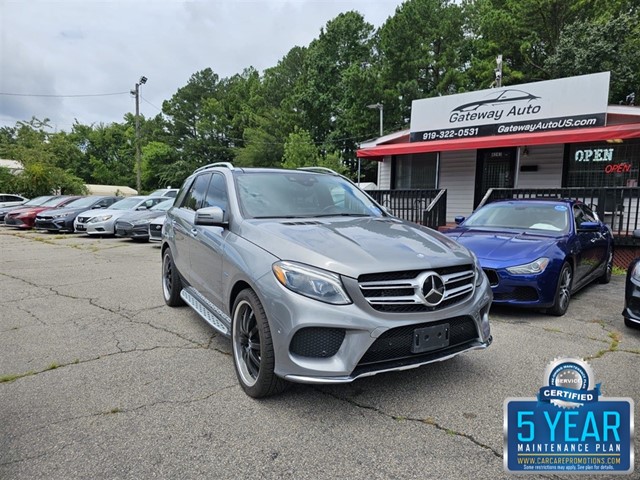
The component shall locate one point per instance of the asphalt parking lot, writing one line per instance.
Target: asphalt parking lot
(99, 379)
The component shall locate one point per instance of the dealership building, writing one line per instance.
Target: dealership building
(552, 138)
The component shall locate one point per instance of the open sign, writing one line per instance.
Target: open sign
(617, 168)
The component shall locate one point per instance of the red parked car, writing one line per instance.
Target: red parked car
(26, 217)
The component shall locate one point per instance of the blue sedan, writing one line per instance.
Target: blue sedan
(537, 253)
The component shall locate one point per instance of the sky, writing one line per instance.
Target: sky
(69, 60)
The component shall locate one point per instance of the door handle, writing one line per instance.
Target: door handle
(194, 231)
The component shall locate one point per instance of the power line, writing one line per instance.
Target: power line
(62, 96)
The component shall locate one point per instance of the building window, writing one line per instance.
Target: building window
(604, 164)
(415, 171)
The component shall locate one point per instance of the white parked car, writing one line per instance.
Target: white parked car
(164, 192)
(102, 222)
(10, 200)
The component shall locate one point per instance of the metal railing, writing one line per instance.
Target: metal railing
(618, 207)
(426, 207)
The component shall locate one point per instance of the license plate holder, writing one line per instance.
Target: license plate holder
(430, 338)
(80, 227)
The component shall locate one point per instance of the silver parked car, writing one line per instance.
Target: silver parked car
(313, 281)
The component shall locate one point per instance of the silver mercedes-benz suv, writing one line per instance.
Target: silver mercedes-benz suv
(315, 282)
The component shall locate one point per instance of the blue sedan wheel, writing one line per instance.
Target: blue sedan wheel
(606, 276)
(563, 291)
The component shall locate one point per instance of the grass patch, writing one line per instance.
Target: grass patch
(618, 270)
(14, 376)
(554, 330)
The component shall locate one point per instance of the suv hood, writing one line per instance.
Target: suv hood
(498, 245)
(353, 246)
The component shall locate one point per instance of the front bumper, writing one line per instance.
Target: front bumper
(535, 291)
(54, 224)
(99, 228)
(632, 296)
(127, 230)
(17, 222)
(368, 341)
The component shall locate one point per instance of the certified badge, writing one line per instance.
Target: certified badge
(569, 427)
(568, 383)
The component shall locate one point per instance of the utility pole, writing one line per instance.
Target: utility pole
(136, 93)
(498, 71)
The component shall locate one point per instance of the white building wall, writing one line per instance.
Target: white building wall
(384, 174)
(457, 175)
(548, 159)
(458, 170)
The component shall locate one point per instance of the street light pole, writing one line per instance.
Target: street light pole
(380, 107)
(136, 93)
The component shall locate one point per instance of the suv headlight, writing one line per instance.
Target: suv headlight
(311, 282)
(478, 268)
(535, 267)
(100, 218)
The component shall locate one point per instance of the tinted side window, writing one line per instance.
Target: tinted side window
(582, 216)
(196, 194)
(217, 193)
(152, 202)
(590, 215)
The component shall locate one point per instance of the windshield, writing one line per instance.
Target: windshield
(522, 216)
(37, 201)
(127, 203)
(82, 202)
(301, 194)
(164, 205)
(53, 201)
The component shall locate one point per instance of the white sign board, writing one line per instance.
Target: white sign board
(565, 103)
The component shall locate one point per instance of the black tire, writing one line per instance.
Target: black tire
(171, 281)
(563, 291)
(606, 276)
(253, 356)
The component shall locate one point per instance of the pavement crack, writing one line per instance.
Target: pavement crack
(424, 421)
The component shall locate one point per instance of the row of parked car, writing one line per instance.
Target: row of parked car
(139, 217)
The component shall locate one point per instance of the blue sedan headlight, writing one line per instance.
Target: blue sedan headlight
(635, 273)
(535, 267)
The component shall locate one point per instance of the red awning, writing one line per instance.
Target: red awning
(615, 132)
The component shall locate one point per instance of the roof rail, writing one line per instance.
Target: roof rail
(319, 170)
(217, 164)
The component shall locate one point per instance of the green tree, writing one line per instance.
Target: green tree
(300, 151)
(601, 45)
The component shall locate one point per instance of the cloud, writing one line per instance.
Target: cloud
(88, 47)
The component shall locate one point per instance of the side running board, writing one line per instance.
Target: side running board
(207, 310)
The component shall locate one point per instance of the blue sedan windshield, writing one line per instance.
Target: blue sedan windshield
(522, 216)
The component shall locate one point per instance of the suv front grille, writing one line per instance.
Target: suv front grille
(402, 292)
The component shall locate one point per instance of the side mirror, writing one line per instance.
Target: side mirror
(459, 220)
(589, 227)
(211, 217)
